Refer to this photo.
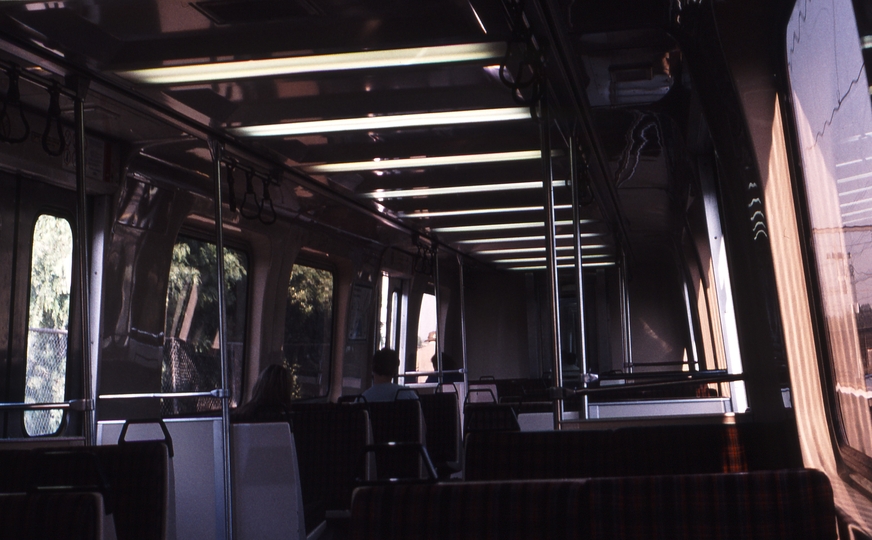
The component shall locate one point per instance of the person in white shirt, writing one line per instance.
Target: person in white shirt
(385, 364)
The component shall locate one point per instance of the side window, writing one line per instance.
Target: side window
(51, 266)
(833, 117)
(308, 344)
(191, 360)
(426, 335)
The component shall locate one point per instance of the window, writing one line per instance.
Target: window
(191, 360)
(426, 335)
(308, 345)
(834, 127)
(51, 266)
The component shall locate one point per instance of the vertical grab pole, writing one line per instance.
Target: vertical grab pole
(579, 275)
(90, 428)
(217, 149)
(551, 258)
(625, 315)
(462, 320)
(438, 348)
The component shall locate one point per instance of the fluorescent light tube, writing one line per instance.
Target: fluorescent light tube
(585, 265)
(477, 211)
(408, 163)
(509, 251)
(455, 190)
(509, 239)
(270, 67)
(497, 227)
(384, 122)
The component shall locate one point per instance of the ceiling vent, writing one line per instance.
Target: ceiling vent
(229, 12)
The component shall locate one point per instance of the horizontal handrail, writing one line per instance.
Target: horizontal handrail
(73, 404)
(659, 384)
(217, 393)
(414, 373)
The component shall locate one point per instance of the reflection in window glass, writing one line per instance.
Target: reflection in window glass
(309, 330)
(834, 125)
(191, 360)
(51, 266)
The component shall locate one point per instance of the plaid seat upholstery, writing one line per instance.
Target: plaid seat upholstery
(768, 505)
(398, 421)
(56, 516)
(631, 451)
(330, 440)
(442, 418)
(136, 474)
(489, 417)
(506, 455)
(469, 510)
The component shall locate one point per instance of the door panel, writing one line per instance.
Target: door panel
(24, 200)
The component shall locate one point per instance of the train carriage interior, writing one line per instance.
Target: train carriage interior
(618, 248)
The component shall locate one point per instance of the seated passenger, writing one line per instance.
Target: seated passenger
(271, 398)
(448, 364)
(385, 364)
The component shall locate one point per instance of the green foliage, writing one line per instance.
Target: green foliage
(51, 273)
(309, 326)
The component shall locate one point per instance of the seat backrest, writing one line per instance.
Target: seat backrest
(489, 417)
(132, 479)
(330, 441)
(482, 393)
(442, 417)
(398, 421)
(794, 504)
(58, 516)
(515, 455)
(765, 505)
(267, 498)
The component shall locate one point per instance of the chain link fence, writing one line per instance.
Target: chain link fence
(46, 378)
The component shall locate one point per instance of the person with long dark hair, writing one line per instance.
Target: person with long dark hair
(271, 398)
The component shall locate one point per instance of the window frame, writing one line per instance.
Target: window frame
(849, 459)
(73, 321)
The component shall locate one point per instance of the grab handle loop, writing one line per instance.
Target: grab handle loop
(249, 190)
(12, 99)
(54, 116)
(231, 191)
(271, 215)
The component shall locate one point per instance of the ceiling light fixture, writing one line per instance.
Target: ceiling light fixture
(392, 121)
(477, 211)
(511, 239)
(434, 161)
(509, 251)
(454, 190)
(499, 226)
(542, 259)
(270, 67)
(584, 265)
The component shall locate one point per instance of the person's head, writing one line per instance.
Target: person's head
(448, 363)
(274, 386)
(386, 363)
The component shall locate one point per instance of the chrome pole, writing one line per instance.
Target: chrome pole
(90, 425)
(439, 330)
(551, 258)
(462, 320)
(579, 273)
(625, 316)
(217, 148)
